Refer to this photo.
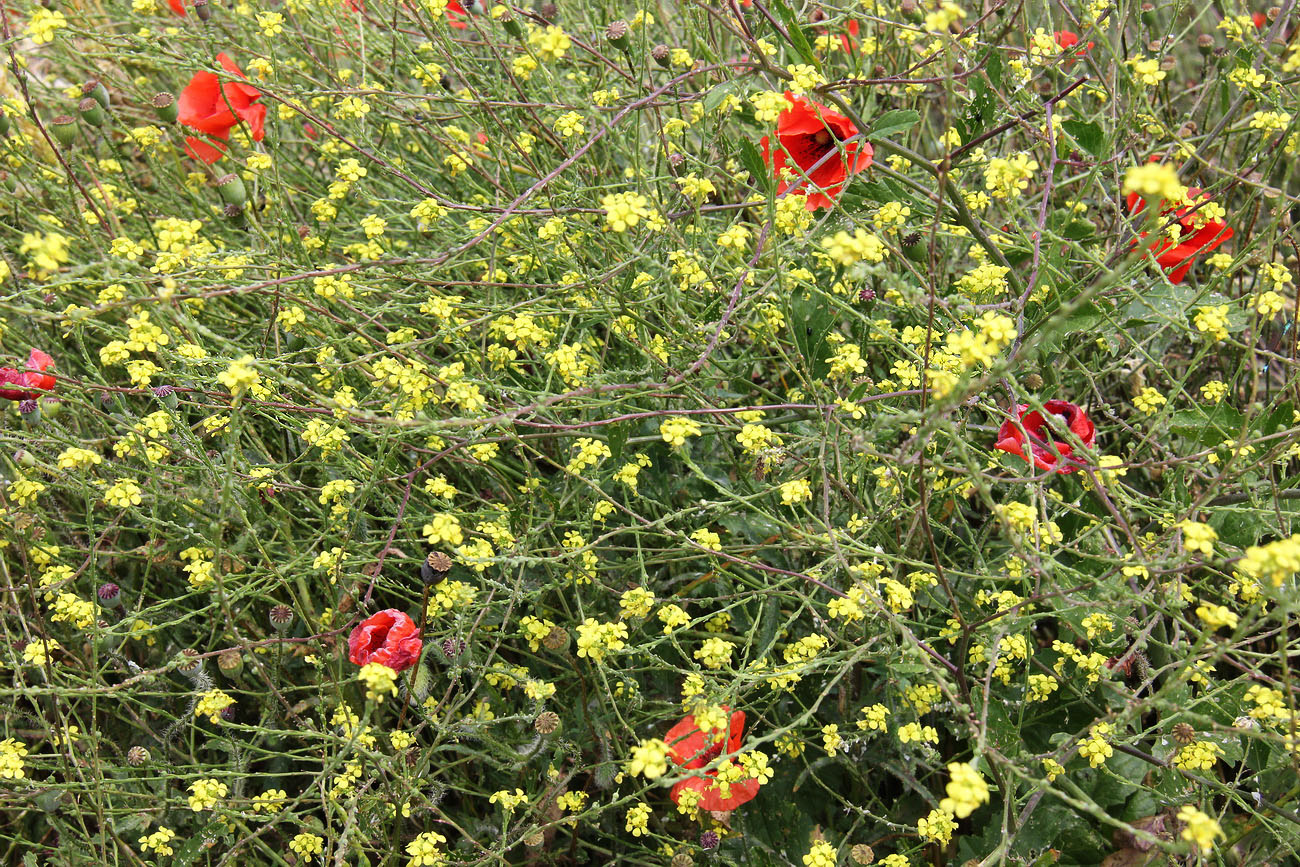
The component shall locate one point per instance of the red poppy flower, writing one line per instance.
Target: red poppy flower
(456, 15)
(1031, 429)
(388, 637)
(214, 108)
(1259, 19)
(1194, 240)
(1068, 39)
(692, 749)
(178, 6)
(34, 377)
(808, 134)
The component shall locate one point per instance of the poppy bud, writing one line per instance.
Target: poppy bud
(616, 35)
(659, 54)
(5, 125)
(8, 182)
(164, 105)
(25, 458)
(64, 129)
(231, 188)
(96, 89)
(91, 111)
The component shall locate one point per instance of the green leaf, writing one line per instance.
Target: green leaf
(1087, 134)
(753, 162)
(810, 322)
(1209, 426)
(892, 122)
(1279, 419)
(798, 39)
(616, 438)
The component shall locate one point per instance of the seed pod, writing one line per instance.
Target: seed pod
(164, 105)
(96, 90)
(512, 26)
(137, 756)
(616, 34)
(5, 125)
(547, 722)
(203, 9)
(231, 188)
(64, 129)
(435, 567)
(659, 54)
(110, 595)
(231, 662)
(281, 618)
(91, 111)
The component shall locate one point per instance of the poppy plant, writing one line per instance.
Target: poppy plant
(178, 6)
(1196, 235)
(809, 135)
(692, 749)
(1032, 430)
(215, 108)
(388, 637)
(31, 382)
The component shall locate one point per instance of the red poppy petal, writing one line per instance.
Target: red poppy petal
(201, 150)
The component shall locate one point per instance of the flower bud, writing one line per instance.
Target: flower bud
(64, 129)
(231, 188)
(91, 111)
(164, 105)
(5, 125)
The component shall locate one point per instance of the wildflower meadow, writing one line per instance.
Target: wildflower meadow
(764, 432)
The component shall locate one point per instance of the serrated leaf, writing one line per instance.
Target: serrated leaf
(892, 122)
